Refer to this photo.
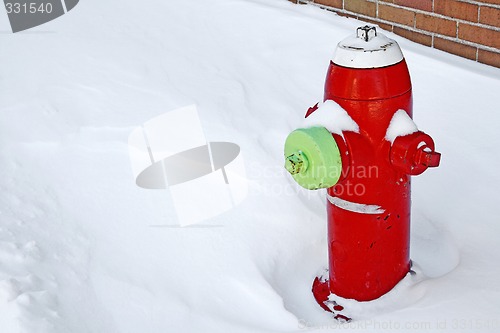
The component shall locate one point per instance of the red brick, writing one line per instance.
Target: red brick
(384, 26)
(456, 9)
(417, 4)
(414, 36)
(494, 2)
(330, 3)
(436, 24)
(489, 58)
(364, 7)
(479, 35)
(346, 15)
(397, 15)
(490, 16)
(449, 46)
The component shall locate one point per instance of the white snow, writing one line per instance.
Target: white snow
(333, 117)
(408, 291)
(401, 124)
(379, 51)
(83, 249)
(355, 207)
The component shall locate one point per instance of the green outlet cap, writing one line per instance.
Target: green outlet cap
(313, 158)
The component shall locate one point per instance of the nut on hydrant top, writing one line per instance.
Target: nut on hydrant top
(366, 33)
(366, 167)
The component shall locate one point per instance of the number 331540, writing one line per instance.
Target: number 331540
(28, 8)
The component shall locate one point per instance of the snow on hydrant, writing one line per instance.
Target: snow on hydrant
(362, 145)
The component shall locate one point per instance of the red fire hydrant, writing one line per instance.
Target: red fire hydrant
(363, 146)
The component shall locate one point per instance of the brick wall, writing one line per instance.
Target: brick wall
(468, 28)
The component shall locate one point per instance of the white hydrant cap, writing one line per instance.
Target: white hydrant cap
(367, 49)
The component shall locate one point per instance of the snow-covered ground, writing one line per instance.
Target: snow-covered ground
(83, 249)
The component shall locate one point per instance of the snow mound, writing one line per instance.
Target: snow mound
(333, 117)
(401, 124)
(84, 250)
(408, 291)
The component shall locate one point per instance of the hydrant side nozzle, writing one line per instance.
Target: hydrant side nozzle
(313, 158)
(414, 153)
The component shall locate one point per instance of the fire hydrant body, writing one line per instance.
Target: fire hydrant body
(369, 197)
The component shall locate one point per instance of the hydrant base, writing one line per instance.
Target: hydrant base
(321, 292)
